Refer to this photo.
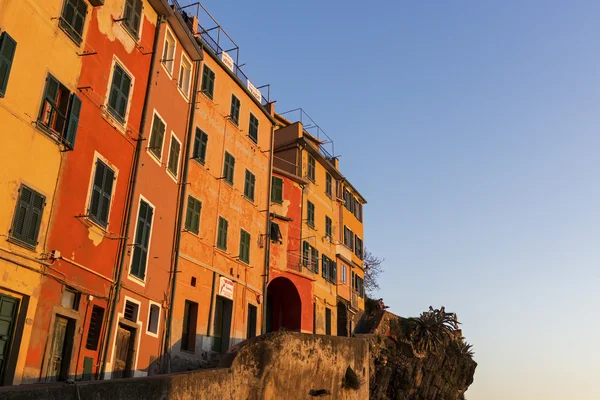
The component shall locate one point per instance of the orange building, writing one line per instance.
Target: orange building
(220, 261)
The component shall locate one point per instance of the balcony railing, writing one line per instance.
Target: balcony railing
(299, 115)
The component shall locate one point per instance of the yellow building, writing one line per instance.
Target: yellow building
(40, 47)
(324, 218)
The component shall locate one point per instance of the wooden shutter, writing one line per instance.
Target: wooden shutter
(142, 238)
(174, 156)
(8, 47)
(156, 136)
(333, 272)
(73, 118)
(324, 266)
(28, 216)
(101, 193)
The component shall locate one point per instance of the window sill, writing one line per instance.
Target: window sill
(172, 175)
(169, 73)
(200, 161)
(21, 243)
(130, 31)
(310, 225)
(154, 157)
(248, 199)
(53, 135)
(76, 39)
(137, 280)
(207, 95)
(111, 119)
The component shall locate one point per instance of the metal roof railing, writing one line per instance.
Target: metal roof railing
(327, 146)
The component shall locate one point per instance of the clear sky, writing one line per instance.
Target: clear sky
(473, 130)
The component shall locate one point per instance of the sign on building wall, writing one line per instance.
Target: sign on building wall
(226, 288)
(227, 60)
(255, 92)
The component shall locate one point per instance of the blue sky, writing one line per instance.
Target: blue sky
(472, 128)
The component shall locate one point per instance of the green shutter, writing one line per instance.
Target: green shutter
(324, 266)
(73, 118)
(101, 193)
(142, 239)
(222, 235)
(8, 47)
(28, 216)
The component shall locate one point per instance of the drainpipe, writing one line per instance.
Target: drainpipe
(268, 235)
(130, 202)
(176, 245)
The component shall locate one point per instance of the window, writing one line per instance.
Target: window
(244, 246)
(102, 186)
(275, 232)
(327, 321)
(60, 112)
(234, 112)
(310, 217)
(188, 334)
(328, 184)
(118, 98)
(157, 135)
(200, 144)
(359, 285)
(343, 272)
(8, 47)
(142, 240)
(208, 82)
(359, 213)
(28, 216)
(249, 185)
(358, 247)
(133, 16)
(131, 311)
(70, 299)
(310, 257)
(185, 75)
(348, 238)
(73, 19)
(153, 318)
(328, 228)
(168, 58)
(277, 190)
(222, 235)
(311, 168)
(93, 336)
(173, 164)
(228, 168)
(347, 197)
(253, 129)
(192, 217)
(251, 331)
(328, 269)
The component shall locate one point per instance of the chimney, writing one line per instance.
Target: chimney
(193, 25)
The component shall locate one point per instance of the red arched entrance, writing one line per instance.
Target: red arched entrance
(284, 307)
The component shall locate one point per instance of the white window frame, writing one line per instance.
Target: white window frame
(169, 35)
(148, 332)
(131, 277)
(343, 272)
(98, 156)
(162, 153)
(185, 92)
(137, 338)
(174, 137)
(120, 126)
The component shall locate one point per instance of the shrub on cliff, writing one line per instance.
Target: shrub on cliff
(433, 329)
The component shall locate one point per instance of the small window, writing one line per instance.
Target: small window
(28, 216)
(234, 112)
(251, 331)
(328, 184)
(153, 318)
(142, 240)
(275, 233)
(157, 135)
(277, 190)
(228, 168)
(118, 98)
(244, 246)
(200, 145)
(222, 235)
(193, 281)
(60, 111)
(192, 218)
(168, 58)
(93, 336)
(8, 47)
(173, 164)
(131, 311)
(328, 228)
(190, 319)
(102, 187)
(185, 75)
(249, 185)
(358, 248)
(208, 82)
(328, 269)
(133, 16)
(70, 299)
(253, 128)
(348, 238)
(311, 168)
(72, 19)
(343, 274)
(310, 257)
(310, 218)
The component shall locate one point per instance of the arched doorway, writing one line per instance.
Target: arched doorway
(342, 319)
(284, 307)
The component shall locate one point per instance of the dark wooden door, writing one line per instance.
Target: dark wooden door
(123, 353)
(8, 314)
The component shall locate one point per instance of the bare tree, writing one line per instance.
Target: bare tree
(373, 268)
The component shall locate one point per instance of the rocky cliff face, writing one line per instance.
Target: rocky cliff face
(398, 371)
